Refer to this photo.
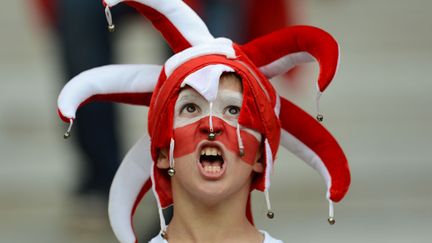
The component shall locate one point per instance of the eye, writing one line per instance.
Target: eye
(232, 110)
(189, 108)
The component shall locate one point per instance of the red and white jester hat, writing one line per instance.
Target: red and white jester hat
(199, 61)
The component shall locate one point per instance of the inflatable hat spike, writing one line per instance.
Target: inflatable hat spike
(178, 23)
(278, 52)
(131, 84)
(317, 148)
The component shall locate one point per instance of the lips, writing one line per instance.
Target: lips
(211, 161)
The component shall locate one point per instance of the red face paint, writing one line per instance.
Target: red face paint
(187, 138)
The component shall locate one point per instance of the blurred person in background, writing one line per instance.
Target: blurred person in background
(84, 43)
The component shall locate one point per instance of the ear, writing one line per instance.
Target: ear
(162, 160)
(258, 165)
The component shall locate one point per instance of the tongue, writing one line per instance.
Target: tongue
(211, 163)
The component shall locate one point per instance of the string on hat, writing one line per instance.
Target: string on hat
(211, 135)
(111, 26)
(240, 141)
(68, 131)
(319, 116)
(270, 213)
(331, 218)
(171, 170)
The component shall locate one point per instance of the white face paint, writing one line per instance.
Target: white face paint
(191, 107)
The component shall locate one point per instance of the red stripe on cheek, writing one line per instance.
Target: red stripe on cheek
(188, 137)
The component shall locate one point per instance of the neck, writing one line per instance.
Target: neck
(224, 221)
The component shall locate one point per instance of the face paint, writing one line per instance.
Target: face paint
(192, 124)
(189, 137)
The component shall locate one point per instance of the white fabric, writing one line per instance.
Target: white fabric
(186, 21)
(277, 106)
(133, 172)
(302, 151)
(110, 79)
(221, 46)
(269, 164)
(285, 63)
(206, 80)
(267, 239)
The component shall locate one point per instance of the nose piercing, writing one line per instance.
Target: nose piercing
(212, 136)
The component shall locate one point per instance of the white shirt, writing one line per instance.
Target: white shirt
(267, 239)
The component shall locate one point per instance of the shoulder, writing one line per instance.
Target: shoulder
(269, 239)
(158, 239)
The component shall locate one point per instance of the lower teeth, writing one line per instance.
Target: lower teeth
(213, 169)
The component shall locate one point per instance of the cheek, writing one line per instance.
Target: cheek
(188, 137)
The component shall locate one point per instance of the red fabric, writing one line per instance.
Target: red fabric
(173, 36)
(315, 41)
(249, 214)
(191, 135)
(310, 132)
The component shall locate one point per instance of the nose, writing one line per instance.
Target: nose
(211, 131)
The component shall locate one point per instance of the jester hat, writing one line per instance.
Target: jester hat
(199, 61)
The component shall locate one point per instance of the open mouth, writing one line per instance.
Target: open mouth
(211, 161)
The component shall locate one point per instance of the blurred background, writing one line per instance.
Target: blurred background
(378, 107)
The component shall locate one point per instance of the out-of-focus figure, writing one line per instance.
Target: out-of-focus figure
(84, 43)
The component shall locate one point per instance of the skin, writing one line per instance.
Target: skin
(206, 209)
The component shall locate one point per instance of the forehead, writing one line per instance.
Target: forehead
(230, 81)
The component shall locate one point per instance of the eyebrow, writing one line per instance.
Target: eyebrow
(188, 96)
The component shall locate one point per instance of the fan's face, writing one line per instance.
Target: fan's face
(212, 169)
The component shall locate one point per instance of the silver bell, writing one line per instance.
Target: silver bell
(320, 117)
(331, 220)
(164, 235)
(270, 214)
(111, 28)
(67, 135)
(241, 152)
(171, 172)
(212, 136)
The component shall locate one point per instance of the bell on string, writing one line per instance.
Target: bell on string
(270, 214)
(331, 220)
(241, 152)
(164, 235)
(171, 172)
(66, 135)
(212, 136)
(111, 28)
(320, 117)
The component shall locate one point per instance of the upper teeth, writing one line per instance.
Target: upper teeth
(210, 151)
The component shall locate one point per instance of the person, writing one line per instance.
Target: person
(83, 43)
(215, 124)
(215, 190)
